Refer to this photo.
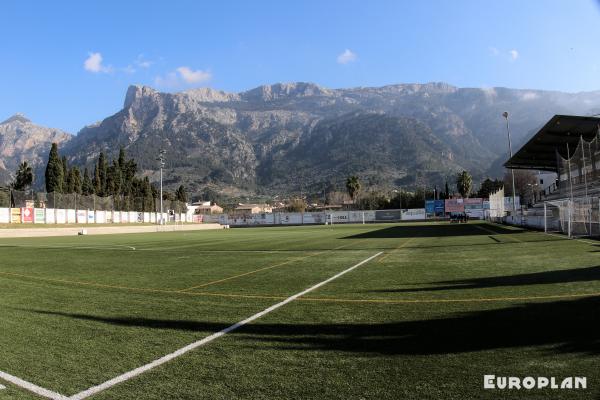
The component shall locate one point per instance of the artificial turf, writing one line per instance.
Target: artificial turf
(442, 305)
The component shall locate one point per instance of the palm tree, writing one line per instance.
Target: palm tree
(24, 177)
(353, 186)
(464, 183)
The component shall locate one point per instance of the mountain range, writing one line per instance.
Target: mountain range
(300, 137)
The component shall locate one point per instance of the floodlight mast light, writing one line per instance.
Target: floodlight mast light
(161, 163)
(512, 171)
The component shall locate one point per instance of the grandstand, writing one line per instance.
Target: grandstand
(568, 146)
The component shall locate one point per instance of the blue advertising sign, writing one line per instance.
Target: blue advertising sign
(430, 206)
(439, 207)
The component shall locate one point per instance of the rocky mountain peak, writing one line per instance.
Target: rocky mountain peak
(18, 117)
(22, 140)
(285, 90)
(210, 95)
(255, 138)
(136, 92)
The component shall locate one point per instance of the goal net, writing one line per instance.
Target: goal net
(575, 218)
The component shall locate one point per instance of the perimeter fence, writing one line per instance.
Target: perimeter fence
(20, 199)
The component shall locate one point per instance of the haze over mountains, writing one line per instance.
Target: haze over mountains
(286, 138)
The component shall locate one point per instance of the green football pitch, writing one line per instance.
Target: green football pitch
(394, 311)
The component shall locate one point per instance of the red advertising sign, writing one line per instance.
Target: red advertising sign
(27, 215)
(474, 202)
(454, 205)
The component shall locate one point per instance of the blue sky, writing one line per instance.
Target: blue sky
(67, 64)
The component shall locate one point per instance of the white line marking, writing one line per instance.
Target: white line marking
(75, 247)
(31, 387)
(140, 370)
(587, 241)
(567, 238)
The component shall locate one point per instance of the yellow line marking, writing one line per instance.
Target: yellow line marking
(94, 284)
(247, 273)
(467, 300)
(264, 268)
(400, 246)
(316, 299)
(135, 289)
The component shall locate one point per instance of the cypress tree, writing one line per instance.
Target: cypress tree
(121, 160)
(114, 179)
(76, 180)
(128, 170)
(87, 187)
(97, 181)
(65, 168)
(103, 172)
(146, 192)
(69, 181)
(54, 171)
(180, 194)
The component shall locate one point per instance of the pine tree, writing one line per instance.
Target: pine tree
(54, 171)
(24, 177)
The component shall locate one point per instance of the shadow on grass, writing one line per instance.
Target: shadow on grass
(586, 274)
(441, 230)
(566, 326)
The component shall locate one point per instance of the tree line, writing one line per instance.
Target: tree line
(115, 177)
(376, 200)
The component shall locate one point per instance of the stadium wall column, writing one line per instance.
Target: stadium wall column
(545, 227)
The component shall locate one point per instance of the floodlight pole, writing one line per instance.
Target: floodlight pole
(161, 160)
(512, 171)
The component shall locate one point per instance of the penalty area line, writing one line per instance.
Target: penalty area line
(147, 367)
(40, 391)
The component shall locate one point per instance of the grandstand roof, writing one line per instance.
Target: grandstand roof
(540, 151)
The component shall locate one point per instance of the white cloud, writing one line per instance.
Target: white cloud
(94, 64)
(191, 76)
(512, 54)
(346, 57)
(141, 62)
(170, 80)
(182, 76)
(144, 64)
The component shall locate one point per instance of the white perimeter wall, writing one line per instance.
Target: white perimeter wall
(61, 216)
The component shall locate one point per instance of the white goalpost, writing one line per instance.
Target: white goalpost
(575, 218)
